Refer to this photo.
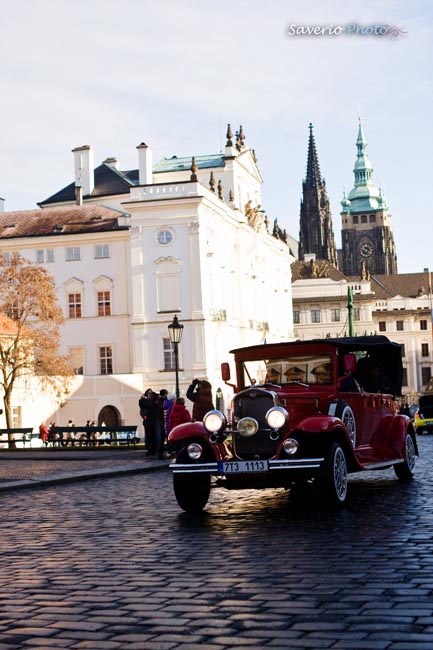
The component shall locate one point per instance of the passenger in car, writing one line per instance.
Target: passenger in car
(370, 375)
(294, 374)
(322, 373)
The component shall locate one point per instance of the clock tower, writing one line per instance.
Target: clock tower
(367, 240)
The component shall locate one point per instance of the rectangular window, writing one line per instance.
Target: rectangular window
(296, 317)
(372, 218)
(315, 315)
(44, 255)
(382, 326)
(12, 311)
(355, 220)
(364, 218)
(425, 376)
(423, 324)
(403, 350)
(400, 326)
(104, 303)
(424, 350)
(101, 251)
(73, 254)
(356, 313)
(74, 301)
(76, 359)
(16, 417)
(404, 377)
(106, 360)
(169, 363)
(335, 315)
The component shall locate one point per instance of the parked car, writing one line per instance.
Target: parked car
(424, 415)
(305, 411)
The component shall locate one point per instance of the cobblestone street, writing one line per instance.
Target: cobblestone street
(114, 564)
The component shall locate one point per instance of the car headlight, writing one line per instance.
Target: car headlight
(214, 421)
(248, 427)
(276, 417)
(290, 446)
(194, 450)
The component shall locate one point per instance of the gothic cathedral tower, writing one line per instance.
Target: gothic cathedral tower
(315, 232)
(367, 240)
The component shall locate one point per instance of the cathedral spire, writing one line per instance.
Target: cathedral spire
(313, 169)
(315, 233)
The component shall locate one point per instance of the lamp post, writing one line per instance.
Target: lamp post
(175, 331)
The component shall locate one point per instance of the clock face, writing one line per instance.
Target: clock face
(366, 250)
(164, 237)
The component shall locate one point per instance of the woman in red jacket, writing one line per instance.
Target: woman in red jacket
(179, 413)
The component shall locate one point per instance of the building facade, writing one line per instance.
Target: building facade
(398, 306)
(189, 238)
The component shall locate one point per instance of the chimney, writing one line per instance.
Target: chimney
(78, 195)
(113, 162)
(84, 174)
(2, 204)
(145, 176)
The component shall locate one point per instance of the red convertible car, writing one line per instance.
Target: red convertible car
(305, 411)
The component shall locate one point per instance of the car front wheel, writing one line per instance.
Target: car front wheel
(333, 482)
(405, 470)
(191, 492)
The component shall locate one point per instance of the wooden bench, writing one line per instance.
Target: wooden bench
(91, 436)
(20, 434)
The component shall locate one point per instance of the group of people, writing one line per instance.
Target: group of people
(162, 412)
(49, 435)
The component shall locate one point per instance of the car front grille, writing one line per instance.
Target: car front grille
(254, 403)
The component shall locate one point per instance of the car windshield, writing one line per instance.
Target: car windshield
(305, 369)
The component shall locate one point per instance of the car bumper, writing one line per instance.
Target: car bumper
(274, 465)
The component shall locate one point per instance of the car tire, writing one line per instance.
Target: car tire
(333, 482)
(405, 470)
(344, 412)
(191, 492)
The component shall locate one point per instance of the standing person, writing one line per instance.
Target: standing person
(200, 393)
(147, 404)
(179, 413)
(43, 433)
(160, 423)
(168, 407)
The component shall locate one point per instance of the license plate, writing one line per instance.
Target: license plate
(242, 466)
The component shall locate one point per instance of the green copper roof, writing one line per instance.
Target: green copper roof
(175, 164)
(364, 196)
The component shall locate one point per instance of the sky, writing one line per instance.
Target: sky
(113, 74)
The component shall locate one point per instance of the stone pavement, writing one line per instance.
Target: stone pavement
(27, 468)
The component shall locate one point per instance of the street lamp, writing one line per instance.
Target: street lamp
(175, 331)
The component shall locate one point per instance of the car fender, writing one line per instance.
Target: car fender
(320, 423)
(188, 430)
(182, 434)
(398, 427)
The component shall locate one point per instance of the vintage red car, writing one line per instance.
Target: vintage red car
(303, 412)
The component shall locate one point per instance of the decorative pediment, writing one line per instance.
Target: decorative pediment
(247, 160)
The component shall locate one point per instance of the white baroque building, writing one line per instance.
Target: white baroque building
(130, 249)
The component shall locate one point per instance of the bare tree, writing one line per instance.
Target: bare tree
(30, 336)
